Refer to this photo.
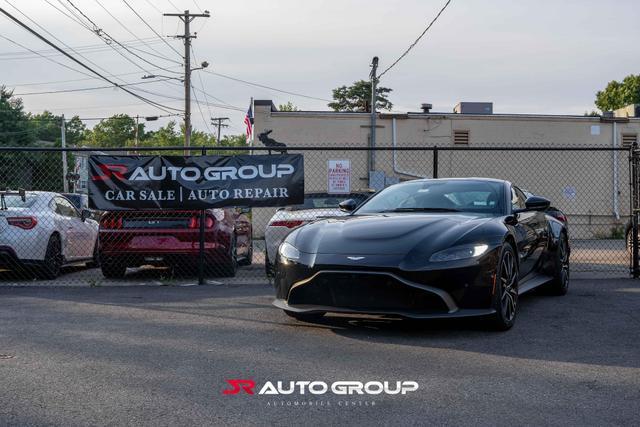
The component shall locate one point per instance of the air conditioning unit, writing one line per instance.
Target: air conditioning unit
(473, 108)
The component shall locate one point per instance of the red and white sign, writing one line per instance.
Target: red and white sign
(338, 176)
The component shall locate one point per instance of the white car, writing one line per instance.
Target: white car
(316, 205)
(41, 232)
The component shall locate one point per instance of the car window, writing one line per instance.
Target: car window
(65, 208)
(458, 195)
(517, 198)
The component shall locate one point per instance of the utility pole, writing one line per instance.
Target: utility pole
(63, 144)
(187, 17)
(219, 125)
(374, 85)
(137, 136)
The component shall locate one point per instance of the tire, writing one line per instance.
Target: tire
(305, 317)
(231, 267)
(113, 270)
(268, 267)
(505, 301)
(248, 260)
(53, 259)
(560, 283)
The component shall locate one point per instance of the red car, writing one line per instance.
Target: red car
(172, 238)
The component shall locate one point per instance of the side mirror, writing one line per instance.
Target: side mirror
(348, 205)
(537, 203)
(84, 214)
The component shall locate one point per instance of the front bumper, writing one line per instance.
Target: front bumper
(379, 285)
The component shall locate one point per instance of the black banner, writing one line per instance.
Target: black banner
(194, 182)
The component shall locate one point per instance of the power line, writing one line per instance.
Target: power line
(142, 98)
(417, 40)
(89, 48)
(159, 54)
(154, 6)
(193, 52)
(107, 38)
(200, 110)
(82, 89)
(48, 59)
(266, 87)
(150, 27)
(66, 81)
(52, 35)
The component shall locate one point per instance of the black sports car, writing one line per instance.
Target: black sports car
(426, 249)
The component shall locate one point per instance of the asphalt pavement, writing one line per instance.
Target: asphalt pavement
(161, 355)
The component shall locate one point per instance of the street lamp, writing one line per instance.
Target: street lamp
(155, 76)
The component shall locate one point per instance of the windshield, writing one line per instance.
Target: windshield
(438, 196)
(15, 201)
(326, 201)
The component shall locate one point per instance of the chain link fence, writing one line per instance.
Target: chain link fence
(49, 235)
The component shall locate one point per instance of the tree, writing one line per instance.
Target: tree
(29, 170)
(289, 106)
(617, 95)
(116, 131)
(357, 97)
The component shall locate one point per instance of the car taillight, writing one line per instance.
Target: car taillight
(194, 222)
(24, 222)
(560, 217)
(287, 223)
(111, 222)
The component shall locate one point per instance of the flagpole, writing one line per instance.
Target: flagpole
(253, 110)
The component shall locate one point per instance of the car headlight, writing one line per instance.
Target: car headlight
(288, 251)
(459, 252)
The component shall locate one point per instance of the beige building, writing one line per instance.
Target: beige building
(592, 187)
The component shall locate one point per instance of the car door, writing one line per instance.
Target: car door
(529, 232)
(73, 231)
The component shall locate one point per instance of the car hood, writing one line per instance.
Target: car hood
(388, 234)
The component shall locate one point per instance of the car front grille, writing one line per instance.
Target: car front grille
(364, 291)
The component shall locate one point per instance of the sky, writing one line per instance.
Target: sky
(531, 56)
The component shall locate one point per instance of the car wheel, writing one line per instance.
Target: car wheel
(113, 270)
(268, 267)
(53, 259)
(248, 260)
(305, 317)
(506, 290)
(231, 267)
(560, 283)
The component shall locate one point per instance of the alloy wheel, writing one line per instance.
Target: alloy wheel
(563, 255)
(509, 282)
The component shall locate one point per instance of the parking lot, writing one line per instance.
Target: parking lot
(604, 257)
(160, 356)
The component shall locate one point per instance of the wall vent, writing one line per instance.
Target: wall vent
(461, 137)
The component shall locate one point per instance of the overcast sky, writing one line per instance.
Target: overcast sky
(524, 56)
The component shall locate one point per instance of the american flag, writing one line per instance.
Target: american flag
(248, 122)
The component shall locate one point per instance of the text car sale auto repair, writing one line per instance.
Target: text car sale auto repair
(195, 182)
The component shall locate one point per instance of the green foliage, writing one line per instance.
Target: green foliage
(357, 97)
(289, 106)
(42, 171)
(116, 131)
(619, 94)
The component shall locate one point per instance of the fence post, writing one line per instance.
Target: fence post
(203, 215)
(635, 209)
(435, 161)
